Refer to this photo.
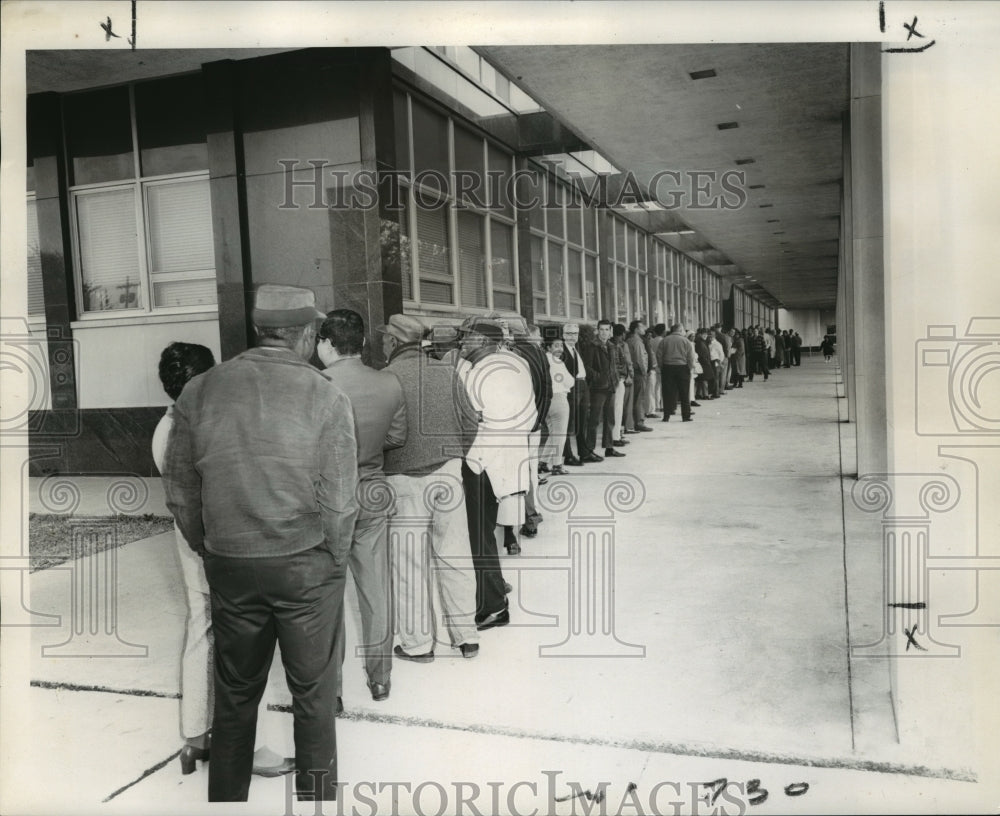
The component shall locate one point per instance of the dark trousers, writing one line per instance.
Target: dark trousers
(676, 381)
(297, 601)
(640, 405)
(481, 512)
(579, 419)
(602, 414)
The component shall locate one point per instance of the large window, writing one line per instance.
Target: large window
(140, 202)
(36, 299)
(563, 249)
(457, 234)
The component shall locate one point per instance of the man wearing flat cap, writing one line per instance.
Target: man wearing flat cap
(260, 474)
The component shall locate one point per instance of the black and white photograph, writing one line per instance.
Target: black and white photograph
(510, 408)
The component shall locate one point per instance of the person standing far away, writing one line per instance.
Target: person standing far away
(261, 475)
(379, 412)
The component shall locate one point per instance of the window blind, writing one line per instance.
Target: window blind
(471, 259)
(109, 254)
(36, 297)
(180, 227)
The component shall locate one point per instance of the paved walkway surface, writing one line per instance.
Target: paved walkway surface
(716, 649)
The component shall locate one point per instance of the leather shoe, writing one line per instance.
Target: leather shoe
(469, 650)
(666, 418)
(426, 657)
(613, 452)
(543, 467)
(688, 419)
(619, 443)
(593, 457)
(286, 766)
(501, 618)
(695, 404)
(572, 461)
(190, 756)
(507, 588)
(529, 532)
(643, 428)
(631, 432)
(513, 548)
(380, 691)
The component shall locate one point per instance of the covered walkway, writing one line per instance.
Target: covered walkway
(709, 640)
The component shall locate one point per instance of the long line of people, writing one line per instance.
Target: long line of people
(403, 475)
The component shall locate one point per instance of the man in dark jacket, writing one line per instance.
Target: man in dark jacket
(602, 381)
(530, 348)
(261, 474)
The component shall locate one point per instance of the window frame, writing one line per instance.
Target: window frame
(138, 184)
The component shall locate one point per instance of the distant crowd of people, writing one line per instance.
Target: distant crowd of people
(283, 476)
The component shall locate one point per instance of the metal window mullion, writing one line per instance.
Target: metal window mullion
(411, 210)
(141, 211)
(488, 236)
(567, 309)
(453, 218)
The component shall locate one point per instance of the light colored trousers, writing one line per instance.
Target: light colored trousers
(654, 394)
(197, 674)
(558, 422)
(429, 548)
(616, 428)
(369, 562)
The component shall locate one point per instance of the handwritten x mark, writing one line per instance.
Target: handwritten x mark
(910, 639)
(912, 28)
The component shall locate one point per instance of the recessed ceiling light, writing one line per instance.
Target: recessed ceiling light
(746, 161)
(708, 73)
(778, 233)
(727, 125)
(773, 220)
(756, 186)
(766, 205)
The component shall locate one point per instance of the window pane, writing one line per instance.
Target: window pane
(557, 278)
(501, 197)
(395, 244)
(620, 307)
(619, 228)
(531, 193)
(430, 140)
(36, 298)
(434, 255)
(109, 254)
(575, 275)
(99, 135)
(537, 268)
(197, 292)
(469, 160)
(573, 227)
(505, 301)
(591, 282)
(554, 209)
(170, 120)
(589, 229)
(633, 295)
(402, 125)
(502, 247)
(471, 259)
(180, 227)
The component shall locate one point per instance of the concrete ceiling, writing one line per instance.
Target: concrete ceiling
(63, 71)
(639, 106)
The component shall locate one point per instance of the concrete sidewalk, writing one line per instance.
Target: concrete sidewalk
(719, 649)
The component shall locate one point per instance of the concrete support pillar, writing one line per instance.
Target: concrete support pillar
(45, 145)
(227, 182)
(866, 257)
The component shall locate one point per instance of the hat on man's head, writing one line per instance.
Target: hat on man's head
(283, 307)
(488, 327)
(405, 328)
